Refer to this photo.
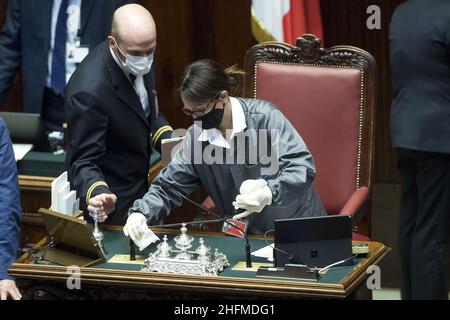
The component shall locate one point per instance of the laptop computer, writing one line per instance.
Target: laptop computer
(26, 128)
(314, 241)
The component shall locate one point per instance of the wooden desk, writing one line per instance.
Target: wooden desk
(49, 281)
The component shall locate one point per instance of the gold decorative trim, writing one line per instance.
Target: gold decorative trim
(160, 132)
(92, 187)
(361, 105)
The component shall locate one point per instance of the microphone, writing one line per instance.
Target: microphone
(248, 258)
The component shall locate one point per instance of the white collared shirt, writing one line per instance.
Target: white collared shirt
(138, 84)
(72, 32)
(215, 137)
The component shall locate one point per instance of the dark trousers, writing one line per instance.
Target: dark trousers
(53, 114)
(424, 223)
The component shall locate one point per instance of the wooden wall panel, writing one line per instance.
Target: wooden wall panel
(232, 31)
(3, 6)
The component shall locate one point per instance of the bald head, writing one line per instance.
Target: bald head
(134, 29)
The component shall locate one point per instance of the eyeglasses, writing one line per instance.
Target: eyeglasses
(199, 112)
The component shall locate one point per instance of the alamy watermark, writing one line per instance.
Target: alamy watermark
(373, 282)
(249, 147)
(374, 20)
(74, 279)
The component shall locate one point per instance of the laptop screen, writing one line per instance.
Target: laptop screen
(26, 128)
(314, 241)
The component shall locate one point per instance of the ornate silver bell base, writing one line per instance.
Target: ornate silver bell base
(182, 261)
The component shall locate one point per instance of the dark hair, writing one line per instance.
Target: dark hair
(203, 80)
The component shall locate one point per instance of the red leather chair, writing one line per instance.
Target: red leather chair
(329, 97)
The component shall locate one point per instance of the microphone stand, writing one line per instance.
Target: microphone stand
(248, 257)
(132, 251)
(187, 223)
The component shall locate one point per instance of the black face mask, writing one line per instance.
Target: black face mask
(212, 119)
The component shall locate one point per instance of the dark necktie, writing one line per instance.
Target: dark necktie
(134, 84)
(58, 77)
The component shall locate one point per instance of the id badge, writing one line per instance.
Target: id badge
(77, 54)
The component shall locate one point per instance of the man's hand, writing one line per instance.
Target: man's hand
(104, 204)
(8, 288)
(254, 196)
(136, 227)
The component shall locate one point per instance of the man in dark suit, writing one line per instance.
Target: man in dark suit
(420, 128)
(10, 212)
(113, 117)
(35, 37)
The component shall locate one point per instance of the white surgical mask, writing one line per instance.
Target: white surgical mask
(137, 65)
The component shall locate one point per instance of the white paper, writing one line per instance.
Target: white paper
(21, 149)
(61, 194)
(266, 252)
(69, 203)
(77, 208)
(56, 186)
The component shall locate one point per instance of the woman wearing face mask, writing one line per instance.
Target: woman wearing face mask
(244, 152)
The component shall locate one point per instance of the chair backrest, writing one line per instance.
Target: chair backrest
(328, 95)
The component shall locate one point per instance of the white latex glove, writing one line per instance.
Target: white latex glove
(254, 196)
(136, 228)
